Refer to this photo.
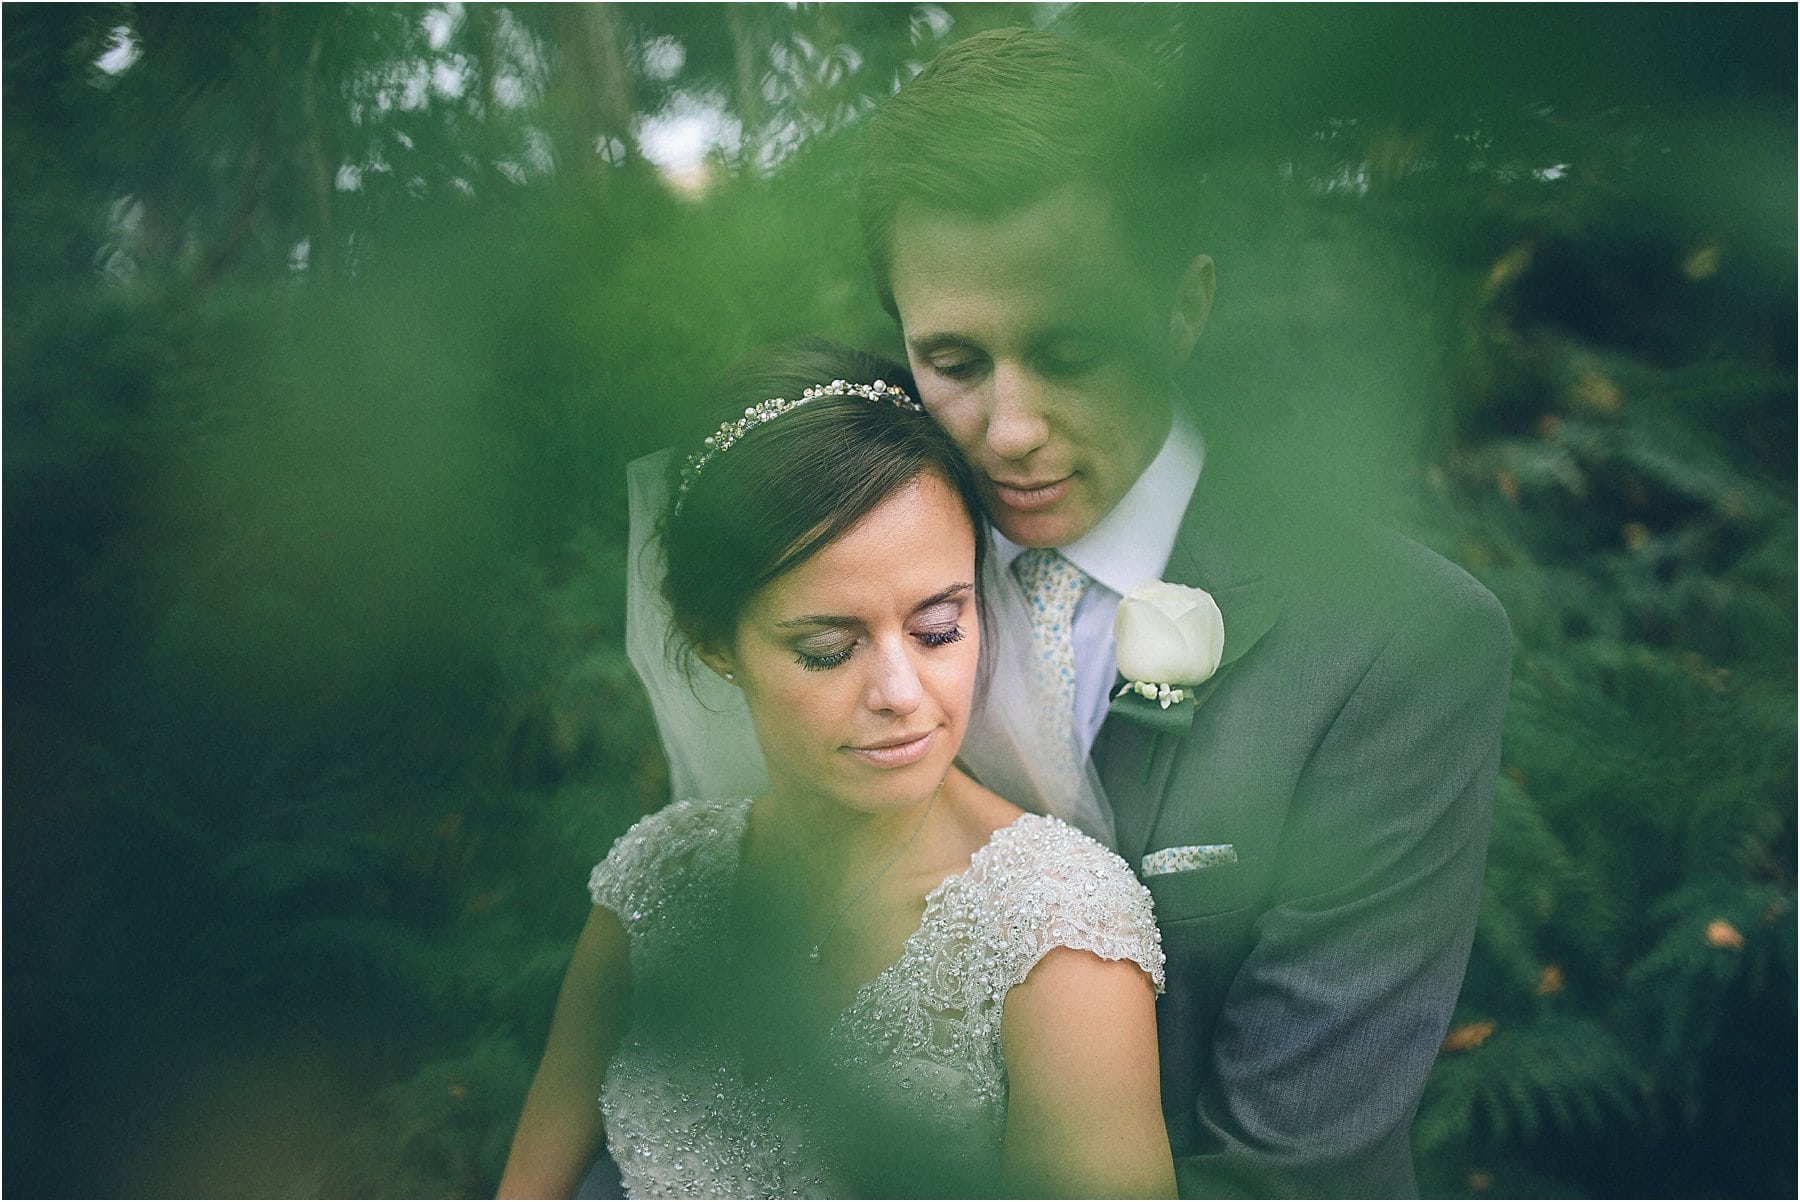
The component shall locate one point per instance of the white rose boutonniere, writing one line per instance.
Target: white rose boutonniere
(1168, 634)
(1168, 639)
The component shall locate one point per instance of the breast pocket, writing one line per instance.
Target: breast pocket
(1208, 919)
(1202, 892)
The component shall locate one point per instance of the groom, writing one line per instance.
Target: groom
(1314, 841)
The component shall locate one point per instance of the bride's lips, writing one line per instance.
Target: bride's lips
(896, 752)
(1027, 496)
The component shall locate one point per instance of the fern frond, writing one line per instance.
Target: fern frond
(1562, 1077)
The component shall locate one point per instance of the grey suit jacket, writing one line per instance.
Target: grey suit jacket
(1348, 759)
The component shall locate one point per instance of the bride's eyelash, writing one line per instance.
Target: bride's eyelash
(941, 636)
(822, 663)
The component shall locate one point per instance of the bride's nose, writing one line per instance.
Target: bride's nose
(893, 684)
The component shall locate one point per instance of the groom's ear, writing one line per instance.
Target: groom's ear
(1193, 303)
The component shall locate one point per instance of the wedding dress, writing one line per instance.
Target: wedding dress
(915, 1059)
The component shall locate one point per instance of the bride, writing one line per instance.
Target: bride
(877, 978)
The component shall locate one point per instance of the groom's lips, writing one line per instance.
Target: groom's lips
(1028, 496)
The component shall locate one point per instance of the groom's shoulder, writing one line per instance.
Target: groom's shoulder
(1415, 605)
(1374, 566)
(1363, 584)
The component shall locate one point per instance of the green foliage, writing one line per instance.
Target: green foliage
(1557, 1072)
(329, 330)
(1625, 485)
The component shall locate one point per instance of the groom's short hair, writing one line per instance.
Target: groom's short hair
(1004, 118)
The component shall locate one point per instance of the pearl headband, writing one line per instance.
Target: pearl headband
(721, 440)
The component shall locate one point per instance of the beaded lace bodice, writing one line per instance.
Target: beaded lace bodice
(919, 1045)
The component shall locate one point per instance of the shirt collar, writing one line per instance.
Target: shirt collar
(1132, 544)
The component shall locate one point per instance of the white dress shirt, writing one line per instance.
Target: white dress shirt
(1126, 548)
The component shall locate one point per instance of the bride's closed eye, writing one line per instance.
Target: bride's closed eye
(822, 660)
(939, 625)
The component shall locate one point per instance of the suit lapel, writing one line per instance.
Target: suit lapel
(1135, 763)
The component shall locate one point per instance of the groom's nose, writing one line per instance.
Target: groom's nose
(893, 684)
(1016, 424)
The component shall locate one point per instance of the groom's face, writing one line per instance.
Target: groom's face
(1045, 350)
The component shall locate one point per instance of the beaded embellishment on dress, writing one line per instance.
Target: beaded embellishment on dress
(920, 1043)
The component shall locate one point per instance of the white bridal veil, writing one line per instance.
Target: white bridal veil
(705, 727)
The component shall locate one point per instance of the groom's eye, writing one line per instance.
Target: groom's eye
(1071, 358)
(956, 367)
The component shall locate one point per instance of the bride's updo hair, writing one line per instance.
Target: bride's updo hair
(789, 487)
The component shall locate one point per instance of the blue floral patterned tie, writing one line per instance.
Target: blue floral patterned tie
(1053, 588)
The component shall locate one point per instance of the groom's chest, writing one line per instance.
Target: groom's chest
(1201, 815)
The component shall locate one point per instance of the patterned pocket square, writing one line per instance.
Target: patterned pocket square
(1186, 859)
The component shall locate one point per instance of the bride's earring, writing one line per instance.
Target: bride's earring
(716, 661)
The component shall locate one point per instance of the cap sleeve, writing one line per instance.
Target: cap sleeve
(655, 855)
(1069, 891)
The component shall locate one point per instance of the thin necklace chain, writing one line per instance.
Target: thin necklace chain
(818, 947)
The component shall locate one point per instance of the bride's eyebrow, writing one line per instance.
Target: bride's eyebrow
(937, 598)
(816, 620)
